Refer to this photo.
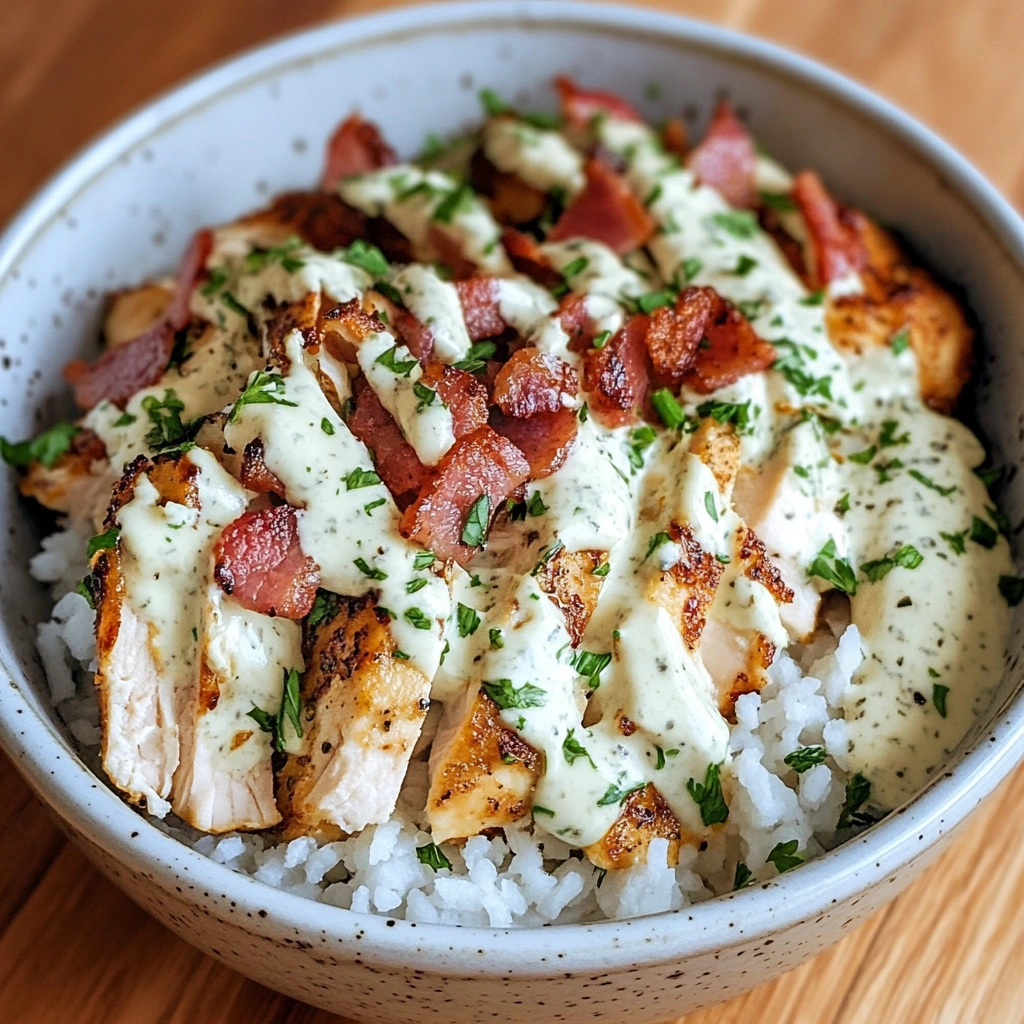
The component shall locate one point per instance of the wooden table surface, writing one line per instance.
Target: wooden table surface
(73, 949)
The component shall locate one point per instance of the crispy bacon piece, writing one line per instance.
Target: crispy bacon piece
(512, 200)
(254, 473)
(576, 321)
(581, 106)
(705, 342)
(480, 464)
(607, 211)
(481, 309)
(465, 396)
(259, 561)
(356, 147)
(417, 337)
(616, 377)
(320, 218)
(526, 256)
(835, 238)
(403, 474)
(726, 158)
(673, 136)
(136, 364)
(546, 438)
(533, 381)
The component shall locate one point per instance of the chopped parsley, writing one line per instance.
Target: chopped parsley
(862, 458)
(858, 792)
(546, 811)
(738, 223)
(46, 447)
(424, 560)
(474, 530)
(656, 541)
(476, 357)
(744, 265)
(983, 534)
(575, 267)
(468, 620)
(432, 856)
(506, 696)
(836, 571)
(168, 430)
(284, 254)
(804, 759)
(670, 411)
(907, 557)
(365, 256)
(691, 267)
(600, 340)
(640, 439)
(291, 707)
(1012, 589)
(602, 570)
(372, 573)
(900, 341)
(842, 506)
(785, 857)
(737, 413)
(659, 762)
(85, 587)
(710, 505)
(371, 505)
(265, 387)
(888, 438)
(590, 665)
(390, 361)
(416, 618)
(496, 639)
(492, 103)
(360, 478)
(939, 694)
(614, 795)
(327, 427)
(708, 796)
(102, 541)
(928, 482)
(955, 541)
(573, 750)
(415, 586)
(325, 604)
(814, 299)
(743, 877)
(425, 395)
(777, 201)
(989, 476)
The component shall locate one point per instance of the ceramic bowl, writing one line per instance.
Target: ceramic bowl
(223, 143)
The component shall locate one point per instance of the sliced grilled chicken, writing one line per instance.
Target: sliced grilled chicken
(134, 311)
(362, 710)
(225, 780)
(570, 582)
(150, 584)
(900, 296)
(482, 774)
(77, 484)
(645, 816)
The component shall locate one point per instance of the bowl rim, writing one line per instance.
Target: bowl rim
(96, 813)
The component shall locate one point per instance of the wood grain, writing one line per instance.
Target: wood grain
(74, 950)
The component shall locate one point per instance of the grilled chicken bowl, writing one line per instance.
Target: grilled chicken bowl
(569, 522)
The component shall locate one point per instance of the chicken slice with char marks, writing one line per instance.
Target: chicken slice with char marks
(363, 707)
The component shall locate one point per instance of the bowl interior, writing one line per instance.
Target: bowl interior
(225, 144)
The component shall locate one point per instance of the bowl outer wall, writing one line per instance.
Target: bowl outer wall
(92, 811)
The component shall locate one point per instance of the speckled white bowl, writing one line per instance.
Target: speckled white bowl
(223, 143)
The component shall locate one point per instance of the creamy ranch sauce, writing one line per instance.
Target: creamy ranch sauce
(941, 622)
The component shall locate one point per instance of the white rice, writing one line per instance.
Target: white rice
(520, 879)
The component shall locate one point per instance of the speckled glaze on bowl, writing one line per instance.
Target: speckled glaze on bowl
(222, 144)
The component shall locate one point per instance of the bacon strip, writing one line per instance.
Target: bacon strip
(726, 157)
(259, 561)
(138, 363)
(526, 256)
(705, 342)
(616, 377)
(254, 473)
(397, 465)
(480, 464)
(607, 211)
(356, 147)
(533, 381)
(835, 241)
(546, 439)
(465, 396)
(581, 106)
(481, 307)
